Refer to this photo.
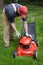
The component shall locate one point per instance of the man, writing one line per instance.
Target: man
(10, 12)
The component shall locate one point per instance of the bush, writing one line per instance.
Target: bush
(8, 1)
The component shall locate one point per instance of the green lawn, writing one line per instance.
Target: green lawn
(6, 54)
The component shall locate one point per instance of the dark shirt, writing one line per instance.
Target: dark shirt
(12, 11)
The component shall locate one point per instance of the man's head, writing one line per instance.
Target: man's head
(23, 10)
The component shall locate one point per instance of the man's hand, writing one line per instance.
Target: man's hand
(18, 34)
(28, 35)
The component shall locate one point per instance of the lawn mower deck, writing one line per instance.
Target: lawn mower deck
(28, 46)
(27, 49)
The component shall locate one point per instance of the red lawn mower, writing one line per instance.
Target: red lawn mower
(28, 46)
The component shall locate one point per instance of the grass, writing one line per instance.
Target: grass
(6, 54)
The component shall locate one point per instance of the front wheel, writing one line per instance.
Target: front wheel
(35, 54)
(14, 54)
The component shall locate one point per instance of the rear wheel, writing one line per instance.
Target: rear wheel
(35, 54)
(37, 43)
(14, 54)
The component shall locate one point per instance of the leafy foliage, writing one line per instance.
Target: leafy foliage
(8, 1)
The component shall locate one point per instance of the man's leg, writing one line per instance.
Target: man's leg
(6, 29)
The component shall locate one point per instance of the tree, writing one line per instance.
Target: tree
(1, 3)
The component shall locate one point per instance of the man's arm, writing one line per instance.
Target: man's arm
(14, 27)
(25, 27)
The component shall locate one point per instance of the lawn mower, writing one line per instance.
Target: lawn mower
(28, 46)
